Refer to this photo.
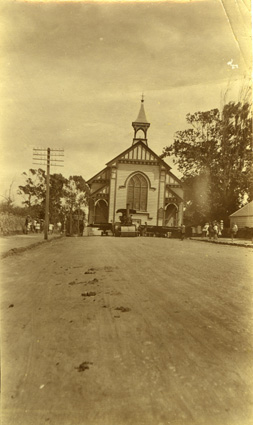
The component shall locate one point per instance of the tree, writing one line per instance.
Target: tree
(215, 158)
(6, 203)
(34, 191)
(75, 193)
(65, 194)
(57, 185)
(198, 199)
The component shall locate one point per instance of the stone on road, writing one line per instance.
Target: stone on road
(127, 331)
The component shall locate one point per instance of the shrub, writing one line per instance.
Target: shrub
(11, 224)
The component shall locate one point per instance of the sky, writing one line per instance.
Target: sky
(72, 75)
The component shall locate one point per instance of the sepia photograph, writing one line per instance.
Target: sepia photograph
(126, 212)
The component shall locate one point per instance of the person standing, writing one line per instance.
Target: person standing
(182, 232)
(37, 226)
(210, 231)
(215, 231)
(234, 231)
(59, 226)
(27, 221)
(81, 227)
(205, 230)
(34, 222)
(219, 229)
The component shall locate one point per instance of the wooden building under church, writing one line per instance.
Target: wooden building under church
(140, 178)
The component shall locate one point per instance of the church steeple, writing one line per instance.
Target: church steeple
(141, 125)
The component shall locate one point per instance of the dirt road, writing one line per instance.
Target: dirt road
(127, 331)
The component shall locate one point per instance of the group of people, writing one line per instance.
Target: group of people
(52, 228)
(35, 225)
(212, 230)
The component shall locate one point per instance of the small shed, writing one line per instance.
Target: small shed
(243, 217)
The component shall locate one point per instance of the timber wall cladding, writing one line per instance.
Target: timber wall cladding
(242, 221)
(150, 171)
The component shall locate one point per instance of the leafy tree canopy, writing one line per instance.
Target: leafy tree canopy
(76, 192)
(34, 189)
(65, 194)
(215, 157)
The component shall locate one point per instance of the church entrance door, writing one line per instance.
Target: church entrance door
(101, 212)
(171, 215)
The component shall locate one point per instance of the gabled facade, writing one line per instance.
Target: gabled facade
(137, 177)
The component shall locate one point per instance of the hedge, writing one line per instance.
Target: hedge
(11, 224)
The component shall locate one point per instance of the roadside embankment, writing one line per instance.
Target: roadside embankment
(15, 244)
(226, 241)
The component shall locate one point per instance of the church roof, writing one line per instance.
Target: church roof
(139, 152)
(174, 193)
(123, 154)
(245, 211)
(101, 174)
(133, 147)
(141, 116)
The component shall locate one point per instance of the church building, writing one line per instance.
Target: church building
(138, 179)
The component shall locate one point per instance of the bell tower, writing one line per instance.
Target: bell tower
(141, 125)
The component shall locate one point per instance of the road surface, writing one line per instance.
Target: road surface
(127, 331)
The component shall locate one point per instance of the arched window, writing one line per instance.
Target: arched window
(140, 134)
(137, 193)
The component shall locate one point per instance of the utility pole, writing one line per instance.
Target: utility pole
(45, 156)
(47, 196)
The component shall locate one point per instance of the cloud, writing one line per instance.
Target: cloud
(73, 74)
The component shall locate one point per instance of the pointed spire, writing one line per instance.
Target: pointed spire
(141, 116)
(141, 125)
